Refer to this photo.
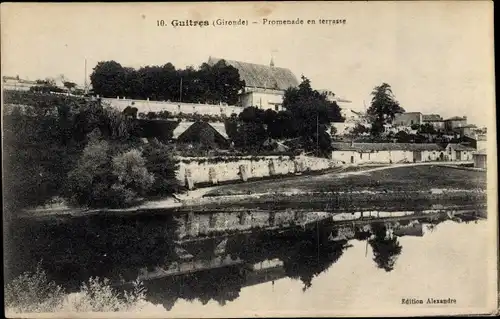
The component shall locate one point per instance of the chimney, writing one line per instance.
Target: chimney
(271, 64)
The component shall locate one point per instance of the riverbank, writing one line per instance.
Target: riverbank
(182, 199)
(351, 183)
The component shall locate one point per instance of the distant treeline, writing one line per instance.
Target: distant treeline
(215, 84)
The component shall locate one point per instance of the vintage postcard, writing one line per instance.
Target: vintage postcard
(249, 159)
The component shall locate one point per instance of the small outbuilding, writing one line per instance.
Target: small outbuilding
(459, 152)
(357, 153)
(211, 135)
(480, 159)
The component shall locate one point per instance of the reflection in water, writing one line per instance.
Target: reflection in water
(386, 249)
(210, 268)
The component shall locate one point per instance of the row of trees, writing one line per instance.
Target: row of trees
(306, 118)
(215, 84)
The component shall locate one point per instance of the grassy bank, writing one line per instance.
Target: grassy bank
(412, 178)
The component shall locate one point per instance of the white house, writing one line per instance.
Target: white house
(358, 153)
(17, 84)
(265, 85)
(458, 152)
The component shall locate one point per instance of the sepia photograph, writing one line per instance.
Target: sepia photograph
(249, 159)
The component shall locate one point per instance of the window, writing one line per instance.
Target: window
(276, 107)
(411, 122)
(361, 155)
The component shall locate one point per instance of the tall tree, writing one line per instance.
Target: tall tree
(313, 113)
(108, 79)
(383, 108)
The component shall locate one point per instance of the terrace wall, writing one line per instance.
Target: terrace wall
(196, 170)
(174, 108)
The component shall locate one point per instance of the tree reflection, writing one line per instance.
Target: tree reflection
(386, 249)
(221, 285)
(309, 258)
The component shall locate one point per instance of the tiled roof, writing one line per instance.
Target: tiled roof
(220, 128)
(456, 118)
(460, 147)
(262, 76)
(181, 128)
(369, 147)
(481, 152)
(431, 118)
(332, 97)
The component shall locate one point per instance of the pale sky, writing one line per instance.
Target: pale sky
(438, 57)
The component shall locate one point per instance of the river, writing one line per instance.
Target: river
(240, 260)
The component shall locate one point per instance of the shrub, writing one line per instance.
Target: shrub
(161, 163)
(97, 295)
(32, 292)
(103, 180)
(130, 169)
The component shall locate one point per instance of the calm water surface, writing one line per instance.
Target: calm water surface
(448, 262)
(321, 269)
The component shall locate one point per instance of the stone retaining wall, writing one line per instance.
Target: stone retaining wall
(193, 171)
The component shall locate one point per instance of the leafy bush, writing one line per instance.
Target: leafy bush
(33, 292)
(130, 169)
(44, 139)
(97, 295)
(161, 163)
(103, 179)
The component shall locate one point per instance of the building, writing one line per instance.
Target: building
(481, 143)
(330, 96)
(264, 85)
(468, 130)
(408, 119)
(479, 158)
(359, 153)
(455, 122)
(17, 84)
(435, 120)
(351, 120)
(458, 152)
(202, 132)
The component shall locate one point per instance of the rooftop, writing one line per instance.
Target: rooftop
(457, 118)
(330, 95)
(368, 147)
(431, 118)
(261, 76)
(460, 147)
(481, 152)
(183, 126)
